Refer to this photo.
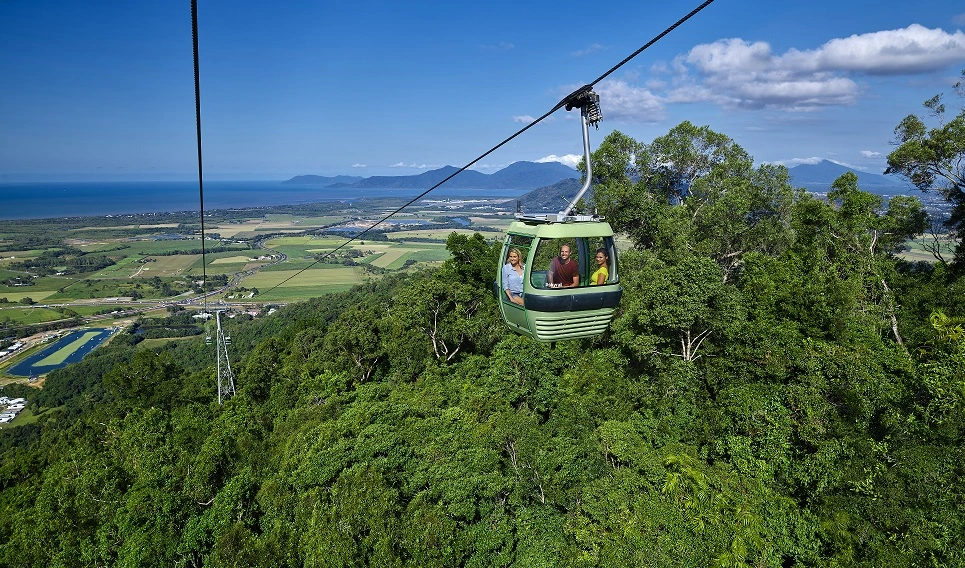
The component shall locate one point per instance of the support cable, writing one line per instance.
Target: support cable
(569, 100)
(197, 112)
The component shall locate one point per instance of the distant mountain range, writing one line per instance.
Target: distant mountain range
(550, 184)
(817, 178)
(518, 175)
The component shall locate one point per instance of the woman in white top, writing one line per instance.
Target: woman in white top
(513, 277)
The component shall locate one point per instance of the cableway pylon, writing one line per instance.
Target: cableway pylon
(226, 379)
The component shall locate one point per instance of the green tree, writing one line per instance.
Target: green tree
(693, 191)
(453, 307)
(934, 158)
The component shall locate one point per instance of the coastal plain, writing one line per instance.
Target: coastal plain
(75, 273)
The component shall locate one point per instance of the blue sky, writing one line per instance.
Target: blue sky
(104, 90)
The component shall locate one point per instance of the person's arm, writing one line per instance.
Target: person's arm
(513, 299)
(576, 279)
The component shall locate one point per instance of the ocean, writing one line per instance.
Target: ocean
(41, 200)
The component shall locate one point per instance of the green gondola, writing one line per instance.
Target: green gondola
(558, 277)
(555, 313)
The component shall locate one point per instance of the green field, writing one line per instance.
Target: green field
(30, 315)
(144, 268)
(303, 284)
(919, 249)
(24, 292)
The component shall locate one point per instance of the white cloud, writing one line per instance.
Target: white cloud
(915, 49)
(359, 166)
(570, 160)
(798, 161)
(592, 48)
(501, 46)
(736, 73)
(523, 119)
(620, 100)
(870, 154)
(414, 166)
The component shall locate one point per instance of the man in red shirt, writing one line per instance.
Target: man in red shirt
(564, 271)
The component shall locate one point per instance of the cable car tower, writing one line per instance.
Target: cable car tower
(226, 379)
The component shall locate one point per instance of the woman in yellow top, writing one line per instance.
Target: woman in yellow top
(602, 272)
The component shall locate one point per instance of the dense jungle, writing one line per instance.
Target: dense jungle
(778, 388)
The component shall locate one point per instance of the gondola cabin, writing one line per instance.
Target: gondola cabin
(558, 279)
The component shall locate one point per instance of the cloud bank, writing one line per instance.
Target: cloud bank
(735, 73)
(570, 160)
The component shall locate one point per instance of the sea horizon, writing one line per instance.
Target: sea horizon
(50, 200)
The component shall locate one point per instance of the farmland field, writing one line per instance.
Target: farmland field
(26, 292)
(158, 261)
(303, 284)
(918, 251)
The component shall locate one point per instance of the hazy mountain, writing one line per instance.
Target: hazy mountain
(553, 198)
(323, 180)
(819, 177)
(519, 175)
(533, 175)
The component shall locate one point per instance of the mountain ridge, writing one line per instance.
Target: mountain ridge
(819, 177)
(518, 175)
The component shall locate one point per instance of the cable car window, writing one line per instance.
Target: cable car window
(601, 259)
(557, 263)
(512, 272)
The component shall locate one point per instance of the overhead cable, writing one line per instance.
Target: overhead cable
(568, 99)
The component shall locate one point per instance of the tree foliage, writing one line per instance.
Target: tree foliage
(777, 389)
(934, 158)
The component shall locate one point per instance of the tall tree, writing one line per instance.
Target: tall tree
(693, 191)
(934, 158)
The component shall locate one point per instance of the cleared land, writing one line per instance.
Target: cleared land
(26, 292)
(116, 227)
(920, 249)
(157, 261)
(303, 284)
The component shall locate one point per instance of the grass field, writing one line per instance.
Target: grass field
(918, 252)
(25, 292)
(305, 284)
(27, 315)
(115, 227)
(232, 260)
(139, 261)
(26, 416)
(272, 223)
(174, 265)
(440, 234)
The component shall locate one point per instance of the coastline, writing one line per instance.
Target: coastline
(50, 200)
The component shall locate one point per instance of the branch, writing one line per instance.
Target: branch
(894, 319)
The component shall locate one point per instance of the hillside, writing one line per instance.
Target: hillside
(776, 389)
